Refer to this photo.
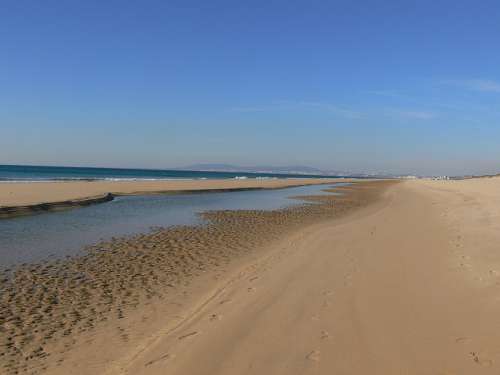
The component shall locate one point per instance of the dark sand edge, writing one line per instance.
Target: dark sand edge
(7, 212)
(13, 211)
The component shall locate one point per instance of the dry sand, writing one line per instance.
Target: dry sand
(406, 283)
(407, 286)
(27, 193)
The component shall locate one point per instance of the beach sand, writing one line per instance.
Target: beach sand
(24, 198)
(28, 193)
(391, 278)
(408, 285)
(51, 309)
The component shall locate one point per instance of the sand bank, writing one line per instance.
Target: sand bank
(25, 197)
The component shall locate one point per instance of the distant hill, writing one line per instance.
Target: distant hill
(292, 169)
(296, 169)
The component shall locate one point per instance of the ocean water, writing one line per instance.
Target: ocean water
(53, 235)
(38, 173)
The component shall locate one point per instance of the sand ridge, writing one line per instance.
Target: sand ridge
(66, 193)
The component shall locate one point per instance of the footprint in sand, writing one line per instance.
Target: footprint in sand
(215, 317)
(252, 289)
(485, 362)
(313, 356)
(325, 335)
(461, 340)
(188, 335)
(225, 301)
(162, 358)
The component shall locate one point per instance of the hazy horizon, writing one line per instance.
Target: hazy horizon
(399, 87)
(300, 168)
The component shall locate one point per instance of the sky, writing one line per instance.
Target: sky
(394, 86)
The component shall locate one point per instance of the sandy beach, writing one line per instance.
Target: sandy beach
(21, 198)
(389, 278)
(408, 285)
(24, 194)
(49, 309)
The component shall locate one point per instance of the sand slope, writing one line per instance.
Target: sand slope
(407, 286)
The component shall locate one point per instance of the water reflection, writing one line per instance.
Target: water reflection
(57, 234)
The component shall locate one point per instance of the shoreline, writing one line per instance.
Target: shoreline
(119, 279)
(26, 198)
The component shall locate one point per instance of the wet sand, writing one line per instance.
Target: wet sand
(23, 198)
(50, 312)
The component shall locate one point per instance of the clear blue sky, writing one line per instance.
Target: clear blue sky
(400, 86)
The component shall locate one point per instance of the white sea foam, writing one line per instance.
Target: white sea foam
(144, 179)
(83, 179)
(124, 179)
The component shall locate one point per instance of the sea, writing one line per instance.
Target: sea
(31, 173)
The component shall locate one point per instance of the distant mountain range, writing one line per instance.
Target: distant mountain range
(291, 169)
(296, 169)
